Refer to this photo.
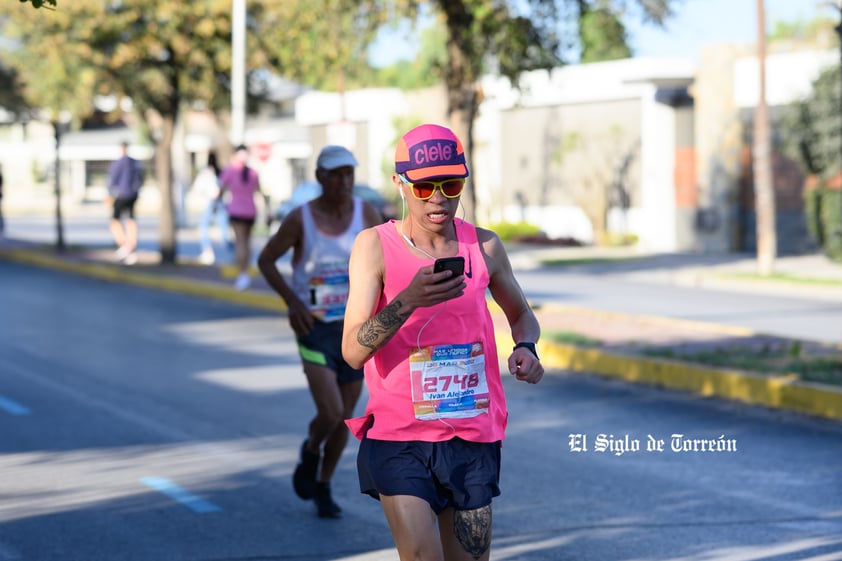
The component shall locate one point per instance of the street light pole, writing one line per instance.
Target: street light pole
(238, 71)
(764, 186)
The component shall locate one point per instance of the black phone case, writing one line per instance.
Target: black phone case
(455, 264)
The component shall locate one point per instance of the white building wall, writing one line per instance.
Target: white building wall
(488, 173)
(375, 107)
(654, 218)
(789, 76)
(658, 222)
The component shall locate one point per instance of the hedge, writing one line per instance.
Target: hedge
(831, 223)
(824, 219)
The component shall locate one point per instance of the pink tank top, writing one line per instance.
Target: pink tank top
(439, 376)
(241, 204)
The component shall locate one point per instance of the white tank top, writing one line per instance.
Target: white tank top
(320, 278)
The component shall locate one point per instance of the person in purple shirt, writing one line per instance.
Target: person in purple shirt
(242, 182)
(125, 177)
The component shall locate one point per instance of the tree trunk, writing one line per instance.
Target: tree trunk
(462, 99)
(764, 190)
(462, 110)
(163, 164)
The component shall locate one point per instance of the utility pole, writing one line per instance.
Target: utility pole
(57, 132)
(764, 188)
(238, 71)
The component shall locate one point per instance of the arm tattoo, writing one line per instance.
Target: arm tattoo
(473, 530)
(378, 330)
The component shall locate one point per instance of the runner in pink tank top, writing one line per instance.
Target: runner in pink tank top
(436, 413)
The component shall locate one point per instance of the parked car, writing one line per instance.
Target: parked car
(311, 189)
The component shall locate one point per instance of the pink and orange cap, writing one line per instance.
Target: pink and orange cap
(429, 151)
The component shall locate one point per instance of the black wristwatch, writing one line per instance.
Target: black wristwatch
(527, 345)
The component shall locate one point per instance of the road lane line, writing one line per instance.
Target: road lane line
(180, 495)
(13, 407)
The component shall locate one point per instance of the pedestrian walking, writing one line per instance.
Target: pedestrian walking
(417, 320)
(321, 233)
(125, 177)
(206, 185)
(243, 183)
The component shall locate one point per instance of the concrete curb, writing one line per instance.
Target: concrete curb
(777, 392)
(138, 278)
(784, 392)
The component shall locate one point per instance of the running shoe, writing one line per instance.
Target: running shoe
(324, 502)
(304, 476)
(243, 281)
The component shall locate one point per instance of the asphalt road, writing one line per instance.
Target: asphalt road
(141, 425)
(646, 288)
(639, 287)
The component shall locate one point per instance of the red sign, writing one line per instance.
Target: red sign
(263, 151)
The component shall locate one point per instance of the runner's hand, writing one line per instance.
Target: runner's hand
(428, 288)
(525, 366)
(300, 318)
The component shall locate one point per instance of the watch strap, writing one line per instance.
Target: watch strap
(527, 345)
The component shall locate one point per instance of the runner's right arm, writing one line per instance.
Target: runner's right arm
(365, 332)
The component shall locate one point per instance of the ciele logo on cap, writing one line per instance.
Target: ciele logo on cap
(433, 152)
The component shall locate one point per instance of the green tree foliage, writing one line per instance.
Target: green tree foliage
(320, 43)
(811, 133)
(47, 77)
(11, 93)
(819, 32)
(602, 36)
(812, 128)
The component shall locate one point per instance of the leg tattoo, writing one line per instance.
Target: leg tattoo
(473, 530)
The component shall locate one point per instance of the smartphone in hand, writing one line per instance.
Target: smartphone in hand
(454, 264)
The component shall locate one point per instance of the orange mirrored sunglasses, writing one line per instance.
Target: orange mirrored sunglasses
(423, 190)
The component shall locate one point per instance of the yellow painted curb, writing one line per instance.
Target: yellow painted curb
(779, 392)
(231, 271)
(138, 278)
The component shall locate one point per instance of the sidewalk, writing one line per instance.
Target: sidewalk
(620, 337)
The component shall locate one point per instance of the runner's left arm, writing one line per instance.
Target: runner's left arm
(508, 294)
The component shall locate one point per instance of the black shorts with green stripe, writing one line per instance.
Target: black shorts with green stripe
(323, 346)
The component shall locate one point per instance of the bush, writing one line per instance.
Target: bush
(618, 239)
(812, 208)
(831, 223)
(509, 231)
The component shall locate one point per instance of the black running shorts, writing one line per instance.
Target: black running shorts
(454, 473)
(323, 346)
